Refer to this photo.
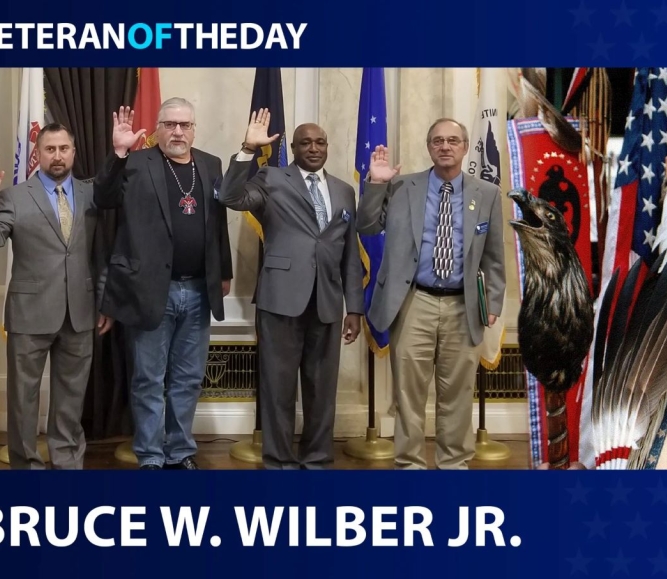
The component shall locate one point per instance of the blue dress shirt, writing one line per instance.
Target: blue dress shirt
(50, 188)
(425, 275)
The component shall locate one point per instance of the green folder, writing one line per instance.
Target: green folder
(481, 294)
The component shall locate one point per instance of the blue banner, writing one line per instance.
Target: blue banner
(267, 92)
(371, 132)
(343, 33)
(333, 524)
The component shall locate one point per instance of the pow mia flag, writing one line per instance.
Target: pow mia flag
(485, 144)
(487, 140)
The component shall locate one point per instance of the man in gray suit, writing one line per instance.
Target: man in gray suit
(51, 306)
(311, 264)
(440, 228)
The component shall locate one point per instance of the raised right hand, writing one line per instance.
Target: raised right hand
(380, 170)
(257, 134)
(123, 137)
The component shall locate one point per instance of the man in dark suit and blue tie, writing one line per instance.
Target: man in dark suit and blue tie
(311, 270)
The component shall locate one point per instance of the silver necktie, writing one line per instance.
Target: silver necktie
(318, 201)
(443, 253)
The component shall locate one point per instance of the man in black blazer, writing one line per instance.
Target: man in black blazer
(170, 268)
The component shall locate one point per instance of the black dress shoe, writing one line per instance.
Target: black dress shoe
(187, 463)
(150, 467)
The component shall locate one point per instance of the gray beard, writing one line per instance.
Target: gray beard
(178, 151)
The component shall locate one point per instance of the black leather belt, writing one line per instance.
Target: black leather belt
(439, 291)
(186, 278)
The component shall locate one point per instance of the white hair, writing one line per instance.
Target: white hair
(173, 103)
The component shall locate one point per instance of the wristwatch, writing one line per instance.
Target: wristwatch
(247, 149)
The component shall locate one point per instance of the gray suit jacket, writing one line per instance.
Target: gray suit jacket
(296, 253)
(398, 209)
(48, 276)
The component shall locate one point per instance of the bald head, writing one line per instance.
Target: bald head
(307, 128)
(309, 147)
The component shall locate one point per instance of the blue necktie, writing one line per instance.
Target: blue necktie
(318, 201)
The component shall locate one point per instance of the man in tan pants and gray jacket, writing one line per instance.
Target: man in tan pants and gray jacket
(440, 228)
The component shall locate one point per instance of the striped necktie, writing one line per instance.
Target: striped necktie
(65, 213)
(443, 252)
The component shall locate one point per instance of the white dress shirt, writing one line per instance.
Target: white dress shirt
(322, 186)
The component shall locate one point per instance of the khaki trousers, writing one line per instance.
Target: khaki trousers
(431, 334)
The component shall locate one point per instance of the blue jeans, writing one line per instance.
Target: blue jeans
(168, 369)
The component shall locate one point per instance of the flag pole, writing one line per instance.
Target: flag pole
(371, 132)
(485, 448)
(485, 161)
(42, 450)
(372, 447)
(251, 450)
(267, 92)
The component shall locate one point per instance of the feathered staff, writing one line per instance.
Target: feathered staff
(630, 369)
(556, 328)
(630, 364)
(556, 316)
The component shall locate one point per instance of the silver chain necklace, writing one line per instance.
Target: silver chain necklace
(178, 182)
(188, 203)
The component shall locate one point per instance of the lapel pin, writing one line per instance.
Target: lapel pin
(472, 205)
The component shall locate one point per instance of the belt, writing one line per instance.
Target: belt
(439, 291)
(186, 278)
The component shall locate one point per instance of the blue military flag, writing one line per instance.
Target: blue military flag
(371, 131)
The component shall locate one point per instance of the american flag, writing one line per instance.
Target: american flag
(634, 212)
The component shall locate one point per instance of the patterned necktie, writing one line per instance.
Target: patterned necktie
(318, 201)
(65, 213)
(443, 252)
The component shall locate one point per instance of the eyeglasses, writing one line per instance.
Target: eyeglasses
(451, 141)
(171, 125)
